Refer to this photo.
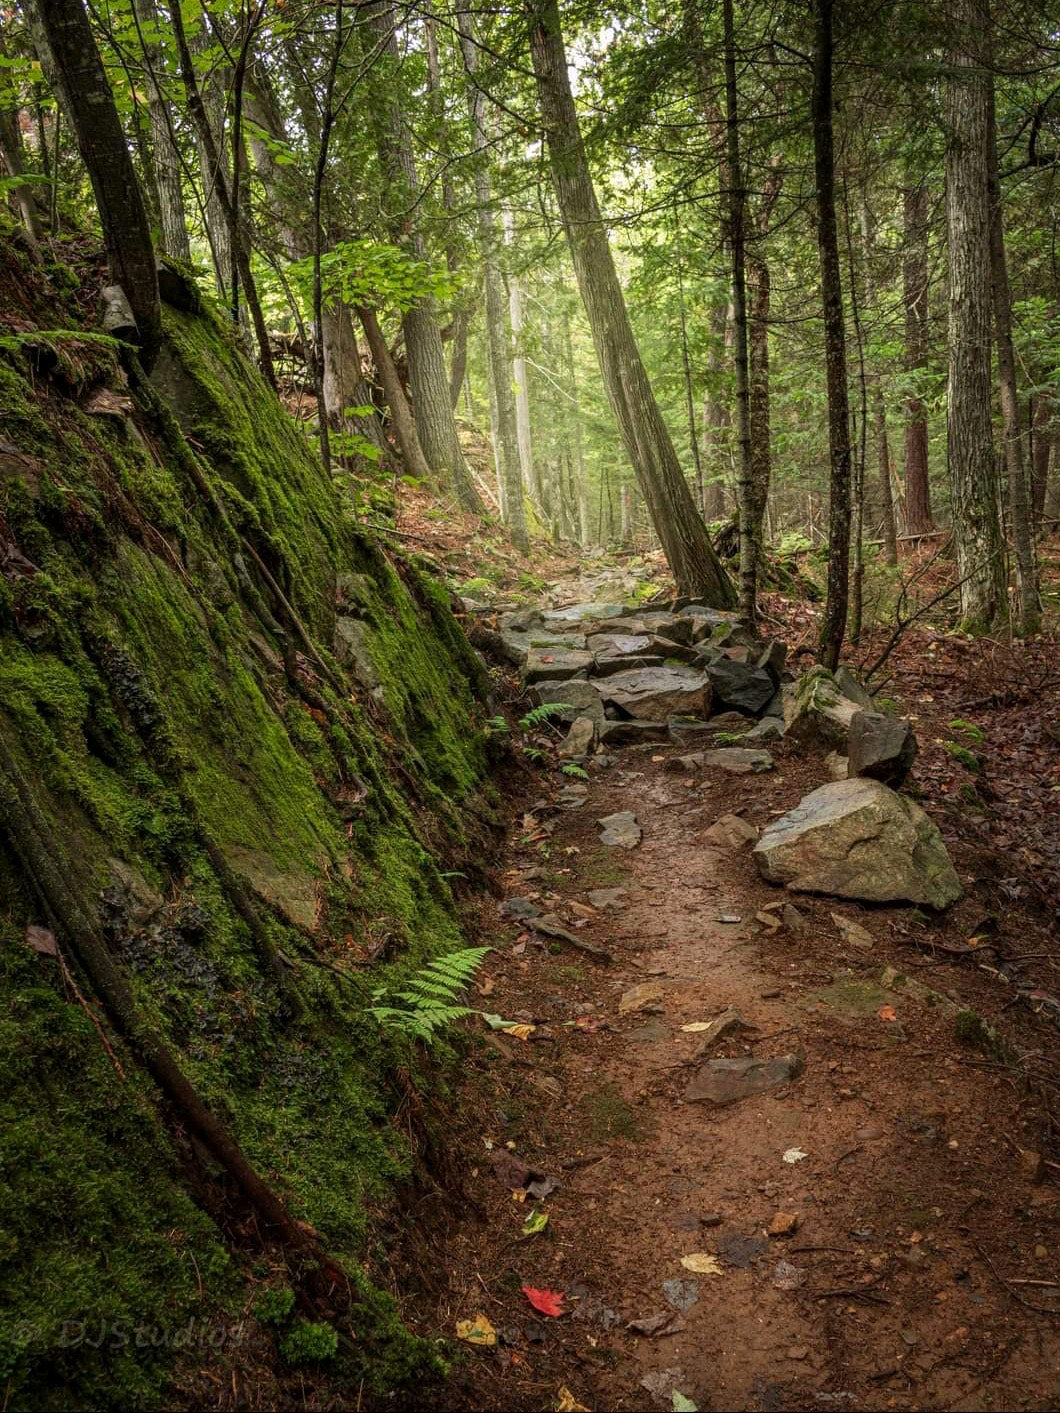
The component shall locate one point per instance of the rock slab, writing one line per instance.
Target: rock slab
(858, 839)
(725, 1081)
(621, 830)
(880, 746)
(655, 693)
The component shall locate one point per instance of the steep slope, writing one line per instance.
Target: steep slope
(250, 742)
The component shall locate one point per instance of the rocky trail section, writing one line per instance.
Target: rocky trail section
(738, 1065)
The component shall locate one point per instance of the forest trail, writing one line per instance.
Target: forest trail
(863, 1222)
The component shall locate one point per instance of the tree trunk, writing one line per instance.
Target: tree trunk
(694, 564)
(833, 628)
(498, 337)
(1020, 511)
(172, 220)
(715, 417)
(737, 206)
(879, 409)
(400, 412)
(11, 155)
(969, 434)
(68, 47)
(760, 286)
(428, 380)
(918, 518)
(1043, 439)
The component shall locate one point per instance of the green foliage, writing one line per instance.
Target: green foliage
(373, 273)
(429, 996)
(960, 753)
(969, 729)
(571, 768)
(540, 715)
(309, 1343)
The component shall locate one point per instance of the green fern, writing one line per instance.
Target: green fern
(430, 996)
(572, 769)
(539, 715)
(534, 753)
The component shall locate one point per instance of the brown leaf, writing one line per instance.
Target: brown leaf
(42, 940)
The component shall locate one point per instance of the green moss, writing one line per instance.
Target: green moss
(163, 704)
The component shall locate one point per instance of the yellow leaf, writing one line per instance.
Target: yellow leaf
(476, 1331)
(568, 1404)
(702, 1263)
(521, 1032)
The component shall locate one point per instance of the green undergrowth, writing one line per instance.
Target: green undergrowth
(186, 742)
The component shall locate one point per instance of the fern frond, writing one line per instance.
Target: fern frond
(537, 716)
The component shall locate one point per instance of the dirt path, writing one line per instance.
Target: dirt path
(892, 1159)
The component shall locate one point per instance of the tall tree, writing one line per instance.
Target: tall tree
(166, 167)
(1021, 515)
(737, 234)
(428, 379)
(498, 335)
(918, 518)
(969, 432)
(684, 537)
(833, 628)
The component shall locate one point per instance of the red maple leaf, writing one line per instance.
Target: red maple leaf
(547, 1302)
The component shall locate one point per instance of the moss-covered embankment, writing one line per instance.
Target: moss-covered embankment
(252, 741)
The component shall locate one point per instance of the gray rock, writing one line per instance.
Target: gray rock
(517, 646)
(625, 653)
(655, 693)
(740, 686)
(579, 739)
(881, 746)
(662, 625)
(575, 693)
(858, 839)
(849, 685)
(560, 618)
(768, 729)
(738, 760)
(572, 797)
(352, 644)
(815, 710)
(838, 766)
(607, 899)
(731, 832)
(632, 733)
(772, 658)
(689, 763)
(549, 664)
(522, 620)
(725, 1081)
(621, 830)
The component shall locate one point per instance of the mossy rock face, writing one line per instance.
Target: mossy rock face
(169, 688)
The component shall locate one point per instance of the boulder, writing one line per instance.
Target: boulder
(516, 646)
(858, 839)
(725, 1081)
(522, 620)
(703, 620)
(655, 693)
(772, 658)
(575, 693)
(621, 653)
(768, 729)
(880, 746)
(662, 625)
(552, 664)
(740, 685)
(738, 760)
(579, 739)
(815, 710)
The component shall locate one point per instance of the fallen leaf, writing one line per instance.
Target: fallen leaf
(681, 1404)
(545, 1302)
(665, 1322)
(887, 1013)
(794, 1155)
(694, 1027)
(521, 1032)
(568, 1403)
(702, 1263)
(476, 1331)
(768, 920)
(535, 1222)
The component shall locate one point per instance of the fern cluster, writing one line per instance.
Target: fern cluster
(430, 997)
(539, 715)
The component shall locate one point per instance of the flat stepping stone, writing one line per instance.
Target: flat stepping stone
(607, 898)
(581, 613)
(656, 693)
(549, 664)
(738, 760)
(621, 830)
(723, 1082)
(628, 733)
(731, 832)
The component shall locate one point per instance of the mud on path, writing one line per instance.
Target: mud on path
(917, 1237)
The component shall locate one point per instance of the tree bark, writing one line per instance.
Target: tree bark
(1043, 440)
(737, 208)
(1020, 511)
(428, 380)
(400, 412)
(11, 155)
(684, 538)
(760, 288)
(173, 226)
(498, 335)
(833, 628)
(918, 518)
(969, 434)
(879, 408)
(69, 48)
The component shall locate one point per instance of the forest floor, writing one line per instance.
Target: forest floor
(879, 1232)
